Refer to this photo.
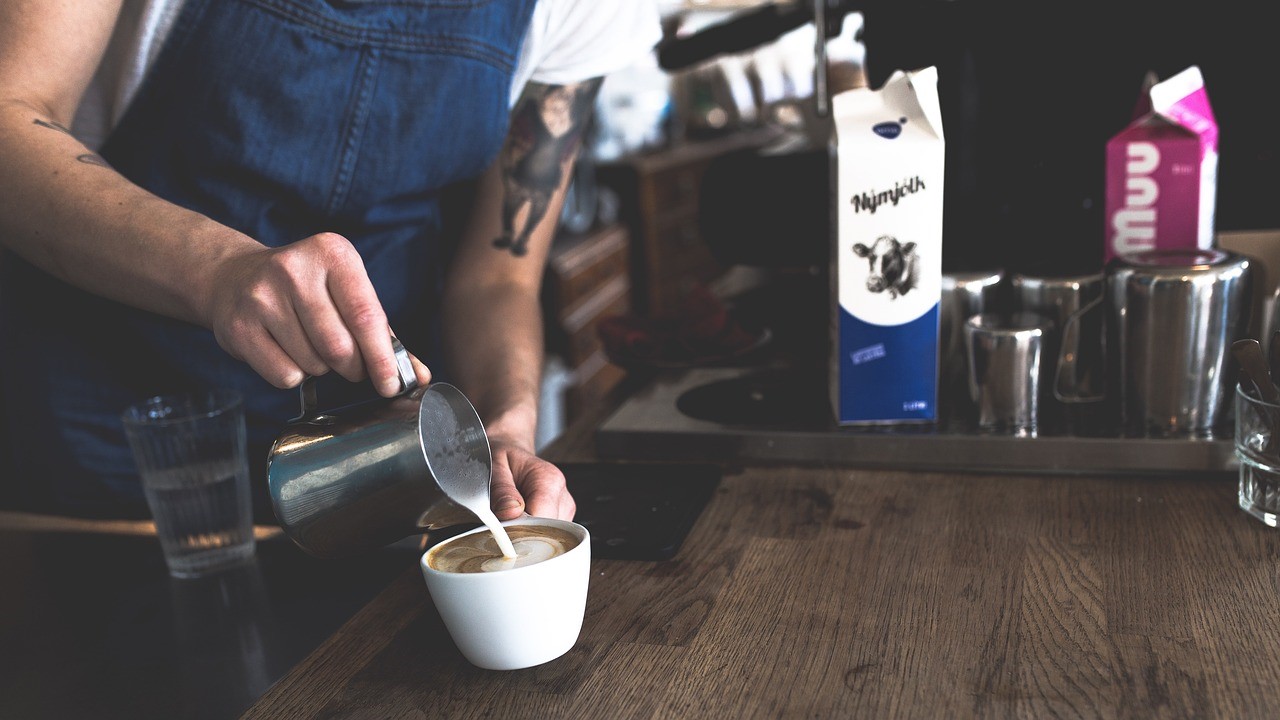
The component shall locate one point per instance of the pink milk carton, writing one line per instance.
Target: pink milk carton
(1162, 170)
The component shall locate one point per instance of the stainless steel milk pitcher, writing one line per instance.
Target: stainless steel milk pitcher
(1074, 303)
(1172, 317)
(357, 478)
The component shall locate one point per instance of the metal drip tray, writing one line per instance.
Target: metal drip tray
(728, 414)
(763, 400)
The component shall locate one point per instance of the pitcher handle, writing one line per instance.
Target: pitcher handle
(1066, 382)
(404, 368)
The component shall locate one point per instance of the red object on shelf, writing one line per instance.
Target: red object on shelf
(702, 332)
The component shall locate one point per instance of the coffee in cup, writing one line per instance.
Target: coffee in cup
(479, 552)
(507, 614)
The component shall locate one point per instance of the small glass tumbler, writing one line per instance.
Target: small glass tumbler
(1257, 441)
(190, 452)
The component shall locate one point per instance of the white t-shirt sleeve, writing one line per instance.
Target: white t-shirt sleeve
(574, 40)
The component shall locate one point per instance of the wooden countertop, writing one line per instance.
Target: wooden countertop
(839, 592)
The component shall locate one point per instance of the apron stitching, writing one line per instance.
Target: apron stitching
(357, 115)
(461, 45)
(442, 4)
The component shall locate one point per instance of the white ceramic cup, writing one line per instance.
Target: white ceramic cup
(516, 618)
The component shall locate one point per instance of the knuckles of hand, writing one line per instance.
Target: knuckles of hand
(333, 246)
(335, 348)
(266, 290)
(261, 300)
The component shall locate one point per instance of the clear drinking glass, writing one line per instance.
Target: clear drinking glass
(1257, 441)
(190, 452)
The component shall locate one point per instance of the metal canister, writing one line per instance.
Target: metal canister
(1007, 357)
(1172, 317)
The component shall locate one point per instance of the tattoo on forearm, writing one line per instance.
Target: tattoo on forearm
(86, 158)
(53, 126)
(93, 159)
(546, 130)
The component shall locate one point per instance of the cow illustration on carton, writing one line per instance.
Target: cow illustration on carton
(893, 266)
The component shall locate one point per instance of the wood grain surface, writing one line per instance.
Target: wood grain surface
(832, 593)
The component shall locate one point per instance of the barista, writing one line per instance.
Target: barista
(206, 193)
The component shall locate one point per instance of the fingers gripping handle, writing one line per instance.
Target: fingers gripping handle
(404, 368)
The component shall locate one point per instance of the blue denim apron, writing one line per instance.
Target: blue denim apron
(281, 119)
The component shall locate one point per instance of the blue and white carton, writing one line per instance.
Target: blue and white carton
(887, 253)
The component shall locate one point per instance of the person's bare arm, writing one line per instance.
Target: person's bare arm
(493, 320)
(301, 309)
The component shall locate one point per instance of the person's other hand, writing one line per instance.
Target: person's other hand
(523, 482)
(304, 309)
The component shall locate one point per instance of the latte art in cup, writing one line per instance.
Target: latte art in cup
(478, 593)
(479, 553)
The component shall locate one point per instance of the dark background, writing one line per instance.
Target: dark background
(1031, 91)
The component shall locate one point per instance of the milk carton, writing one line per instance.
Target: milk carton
(887, 255)
(1162, 170)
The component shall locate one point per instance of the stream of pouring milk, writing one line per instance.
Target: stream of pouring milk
(499, 533)
(462, 473)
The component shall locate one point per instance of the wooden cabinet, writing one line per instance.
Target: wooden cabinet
(660, 193)
(588, 278)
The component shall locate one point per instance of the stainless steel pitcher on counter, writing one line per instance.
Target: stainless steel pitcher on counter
(353, 479)
(1172, 316)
